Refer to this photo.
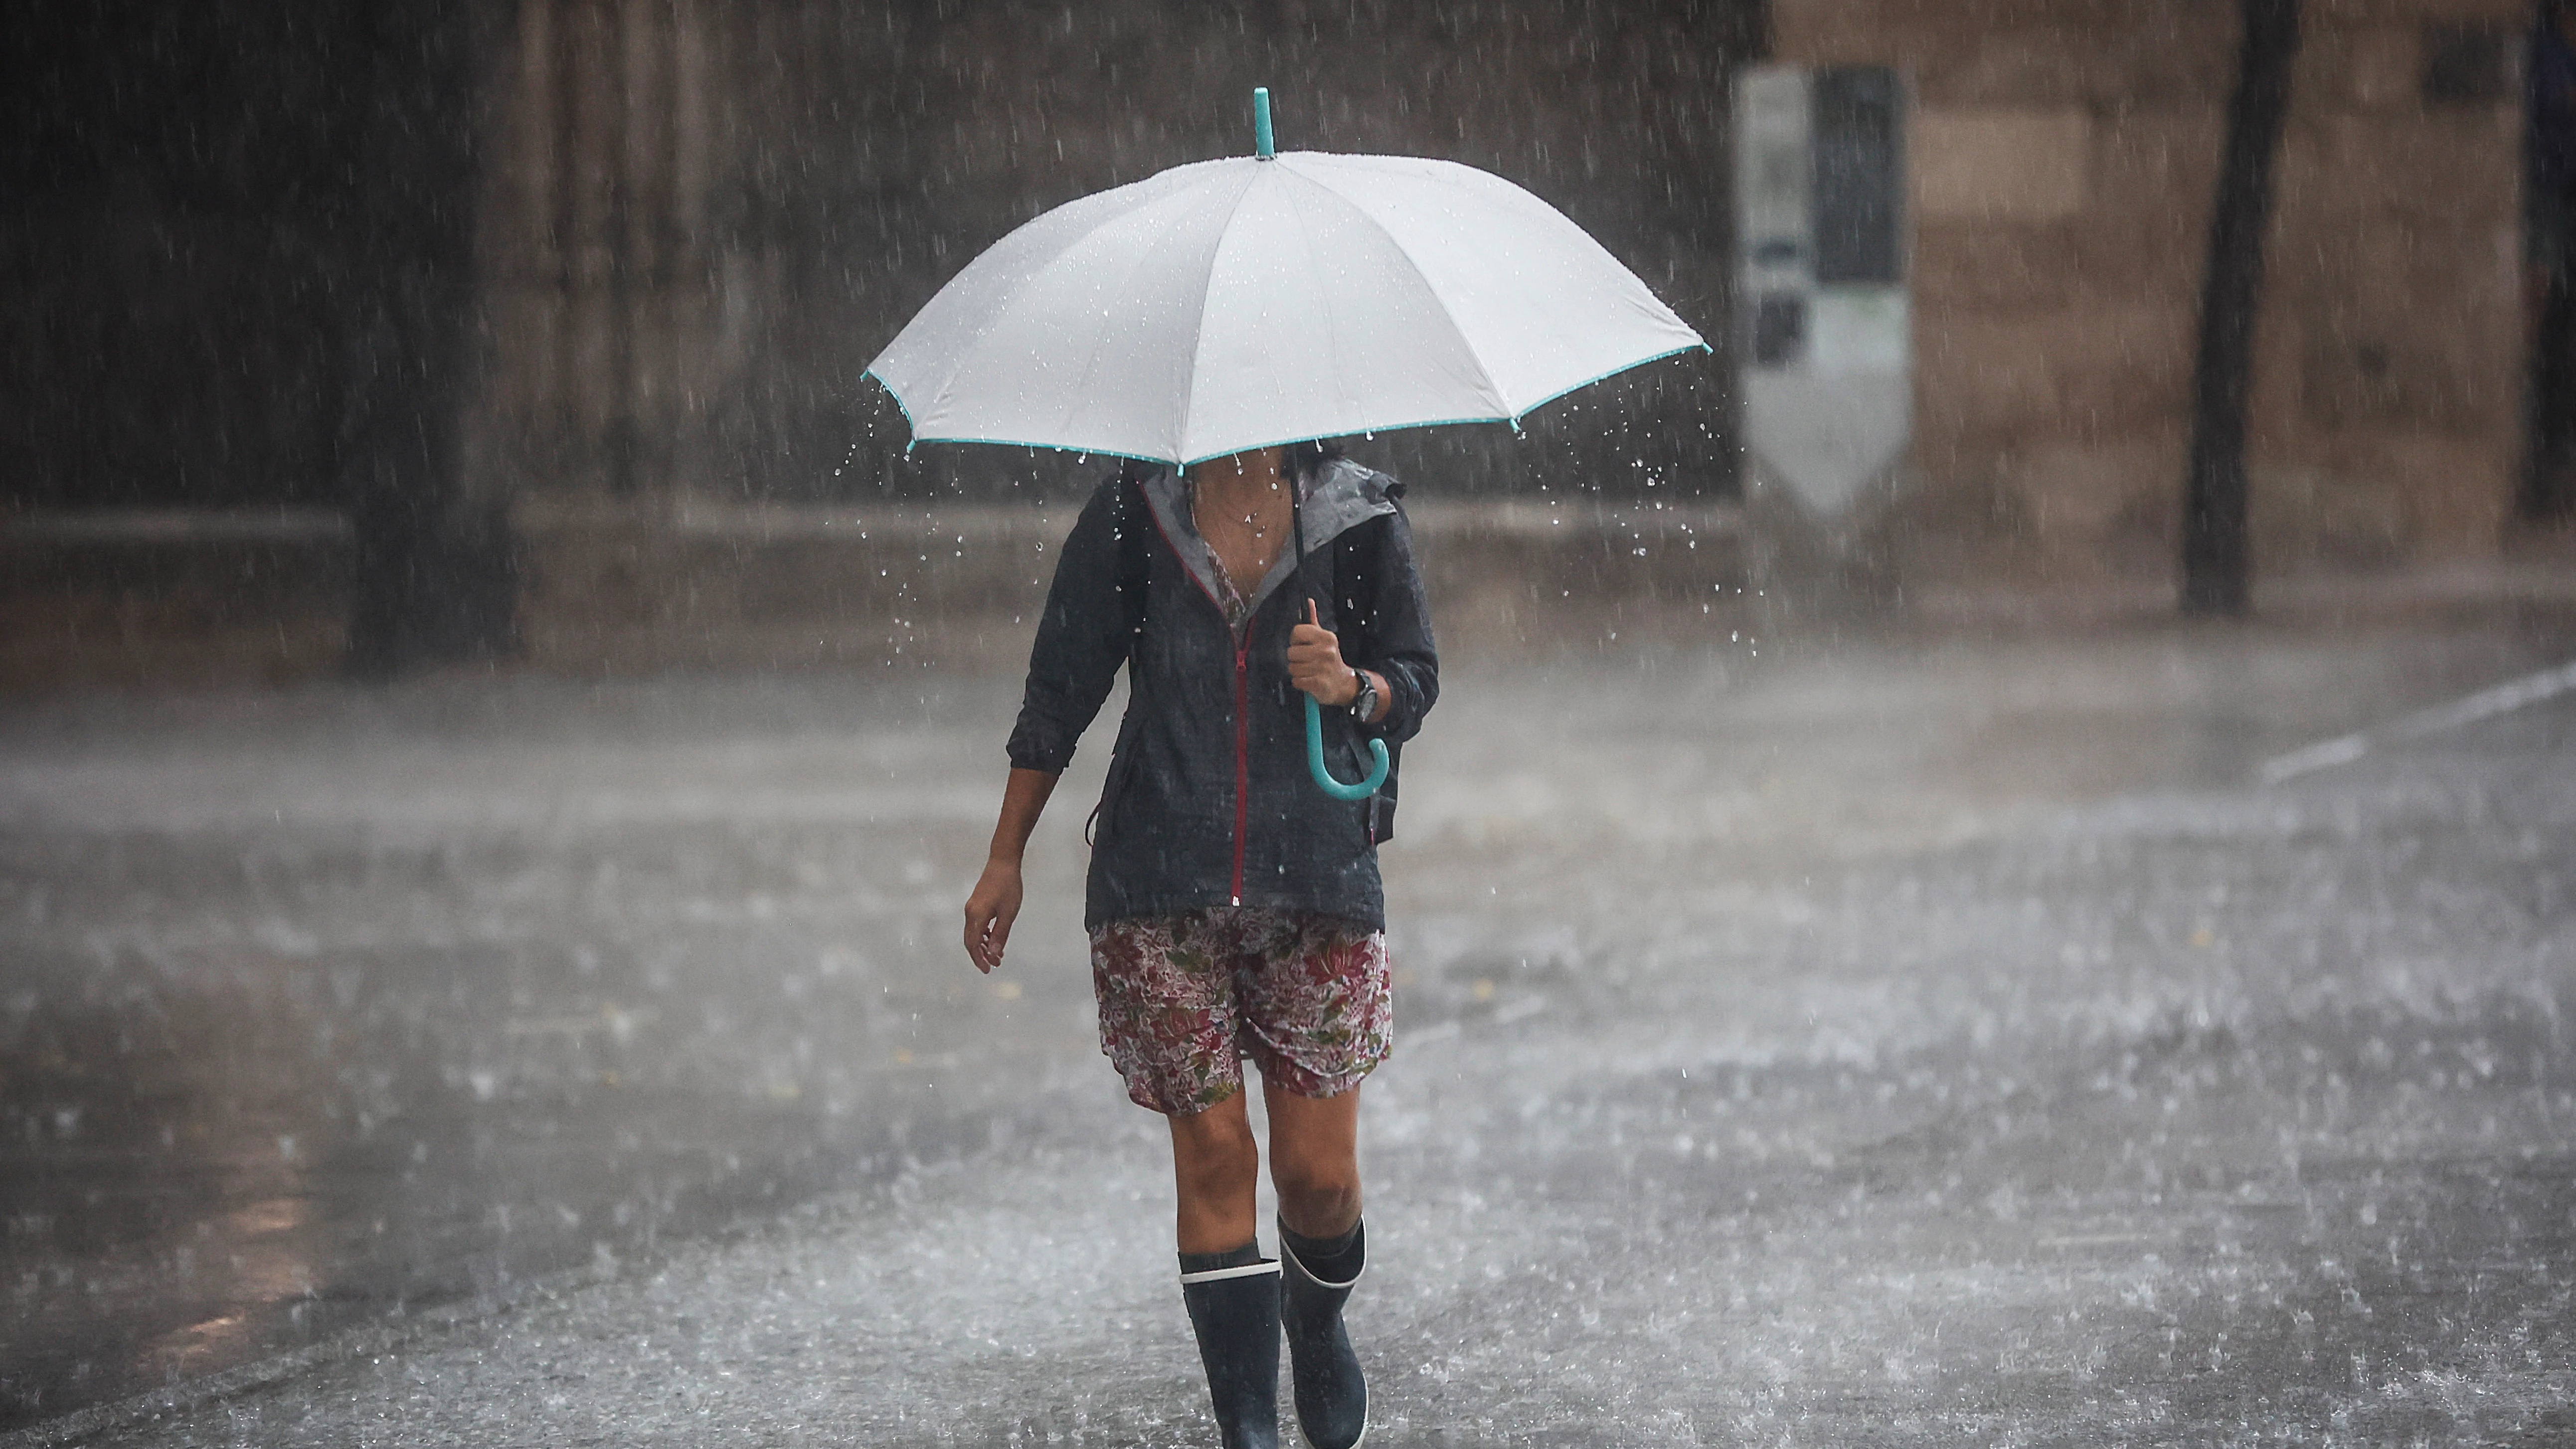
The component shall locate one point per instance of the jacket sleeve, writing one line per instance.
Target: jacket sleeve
(1083, 636)
(1388, 624)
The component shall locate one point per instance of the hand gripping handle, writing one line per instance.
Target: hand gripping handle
(1324, 777)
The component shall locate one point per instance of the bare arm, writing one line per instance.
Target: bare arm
(996, 899)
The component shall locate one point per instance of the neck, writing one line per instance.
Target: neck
(1242, 480)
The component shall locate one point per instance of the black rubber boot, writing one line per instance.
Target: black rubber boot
(1235, 1312)
(1332, 1397)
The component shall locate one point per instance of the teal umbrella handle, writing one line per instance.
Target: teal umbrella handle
(1324, 777)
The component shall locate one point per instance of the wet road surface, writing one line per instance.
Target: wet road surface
(1913, 1042)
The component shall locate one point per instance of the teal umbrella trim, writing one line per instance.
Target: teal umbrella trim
(1514, 419)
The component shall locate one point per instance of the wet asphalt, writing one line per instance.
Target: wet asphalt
(1906, 1039)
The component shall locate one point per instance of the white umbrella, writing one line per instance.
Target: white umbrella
(1266, 299)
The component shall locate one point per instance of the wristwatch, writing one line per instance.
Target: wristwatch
(1365, 703)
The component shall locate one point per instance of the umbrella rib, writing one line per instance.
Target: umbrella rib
(1010, 297)
(1492, 389)
(1198, 319)
(1011, 294)
(1091, 358)
(1332, 314)
(947, 376)
(956, 367)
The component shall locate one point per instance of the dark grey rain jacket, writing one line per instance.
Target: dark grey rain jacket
(1208, 801)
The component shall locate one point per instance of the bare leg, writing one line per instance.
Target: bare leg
(1216, 1166)
(1234, 1305)
(1314, 1160)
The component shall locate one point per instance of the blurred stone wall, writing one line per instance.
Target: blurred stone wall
(704, 218)
(693, 224)
(192, 599)
(2064, 159)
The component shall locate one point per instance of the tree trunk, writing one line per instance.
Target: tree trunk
(2215, 563)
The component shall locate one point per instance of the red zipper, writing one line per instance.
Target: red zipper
(1242, 707)
(1242, 751)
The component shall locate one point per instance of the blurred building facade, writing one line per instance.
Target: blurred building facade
(700, 221)
(694, 222)
(704, 219)
(2064, 157)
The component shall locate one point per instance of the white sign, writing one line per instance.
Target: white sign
(1825, 325)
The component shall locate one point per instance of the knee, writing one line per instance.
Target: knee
(1216, 1157)
(1318, 1196)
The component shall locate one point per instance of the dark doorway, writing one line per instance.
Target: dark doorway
(242, 278)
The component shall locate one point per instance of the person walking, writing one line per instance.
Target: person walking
(1235, 909)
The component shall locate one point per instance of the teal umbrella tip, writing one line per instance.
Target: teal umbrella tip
(1261, 146)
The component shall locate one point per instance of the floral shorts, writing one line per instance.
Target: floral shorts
(1185, 998)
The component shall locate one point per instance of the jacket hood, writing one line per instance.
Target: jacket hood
(1340, 496)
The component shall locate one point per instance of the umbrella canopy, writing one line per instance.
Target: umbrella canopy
(1240, 303)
